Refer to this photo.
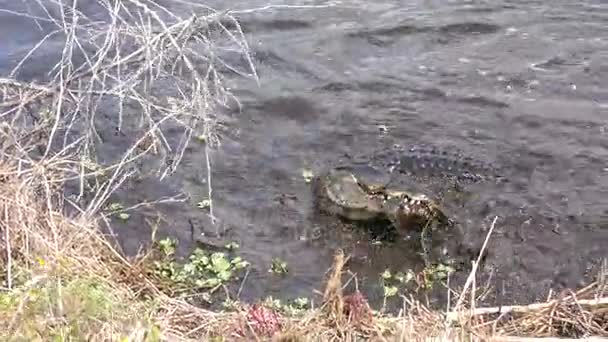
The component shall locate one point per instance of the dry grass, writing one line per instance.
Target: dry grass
(147, 71)
(132, 67)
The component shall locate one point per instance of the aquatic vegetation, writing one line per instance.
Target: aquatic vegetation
(391, 283)
(201, 138)
(295, 307)
(308, 175)
(203, 269)
(232, 246)
(278, 266)
(425, 279)
(204, 204)
(117, 209)
(434, 274)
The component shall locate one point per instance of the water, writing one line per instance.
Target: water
(521, 85)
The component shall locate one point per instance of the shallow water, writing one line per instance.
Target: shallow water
(519, 85)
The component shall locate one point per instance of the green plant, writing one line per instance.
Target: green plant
(435, 273)
(232, 246)
(204, 204)
(278, 266)
(64, 310)
(301, 303)
(117, 209)
(391, 282)
(308, 175)
(292, 308)
(201, 138)
(167, 246)
(202, 270)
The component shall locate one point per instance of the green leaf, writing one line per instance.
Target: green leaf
(219, 262)
(445, 268)
(189, 269)
(211, 282)
(308, 175)
(390, 291)
(278, 266)
(167, 246)
(123, 216)
(204, 204)
(224, 275)
(240, 264)
(301, 302)
(199, 258)
(201, 138)
(400, 277)
(116, 206)
(154, 335)
(409, 276)
(203, 261)
(386, 274)
(232, 246)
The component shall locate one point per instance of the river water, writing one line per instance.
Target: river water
(520, 85)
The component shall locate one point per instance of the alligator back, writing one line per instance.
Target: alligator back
(432, 162)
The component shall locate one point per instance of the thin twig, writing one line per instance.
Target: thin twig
(590, 303)
(473, 272)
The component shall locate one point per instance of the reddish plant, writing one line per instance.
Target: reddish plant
(357, 309)
(262, 320)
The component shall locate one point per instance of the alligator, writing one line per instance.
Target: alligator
(363, 192)
(431, 162)
(360, 193)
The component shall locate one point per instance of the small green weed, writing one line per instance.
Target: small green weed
(294, 307)
(232, 246)
(308, 175)
(204, 204)
(117, 209)
(425, 279)
(66, 310)
(435, 273)
(201, 138)
(278, 266)
(391, 282)
(202, 270)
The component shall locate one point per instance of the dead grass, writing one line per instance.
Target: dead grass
(149, 70)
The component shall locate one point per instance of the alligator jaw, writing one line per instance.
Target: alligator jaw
(414, 211)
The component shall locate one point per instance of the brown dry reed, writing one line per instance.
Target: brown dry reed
(143, 69)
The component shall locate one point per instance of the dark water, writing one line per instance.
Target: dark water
(519, 85)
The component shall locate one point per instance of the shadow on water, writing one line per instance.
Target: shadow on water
(499, 88)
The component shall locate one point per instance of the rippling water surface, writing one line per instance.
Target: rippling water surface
(519, 85)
